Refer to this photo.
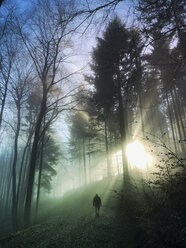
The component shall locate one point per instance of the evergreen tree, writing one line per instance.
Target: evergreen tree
(167, 16)
(117, 69)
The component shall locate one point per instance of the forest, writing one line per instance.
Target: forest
(93, 101)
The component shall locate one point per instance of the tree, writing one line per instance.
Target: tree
(167, 17)
(43, 36)
(84, 134)
(112, 74)
(168, 66)
(19, 92)
(7, 60)
(48, 158)
(80, 133)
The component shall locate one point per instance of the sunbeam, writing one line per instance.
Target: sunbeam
(137, 156)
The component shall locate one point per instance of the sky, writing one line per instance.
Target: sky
(83, 42)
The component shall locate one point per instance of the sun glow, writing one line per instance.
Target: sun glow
(137, 155)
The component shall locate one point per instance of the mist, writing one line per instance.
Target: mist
(92, 105)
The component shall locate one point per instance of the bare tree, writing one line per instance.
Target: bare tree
(45, 37)
(19, 92)
(7, 58)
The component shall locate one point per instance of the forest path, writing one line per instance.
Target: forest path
(72, 224)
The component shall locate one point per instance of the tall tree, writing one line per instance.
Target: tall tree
(19, 92)
(168, 67)
(7, 59)
(44, 36)
(48, 158)
(111, 74)
(166, 16)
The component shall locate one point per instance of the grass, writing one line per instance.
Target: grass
(132, 218)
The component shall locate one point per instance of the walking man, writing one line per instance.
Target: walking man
(97, 204)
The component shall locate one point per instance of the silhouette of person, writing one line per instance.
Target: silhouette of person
(97, 204)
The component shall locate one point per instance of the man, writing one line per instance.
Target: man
(97, 204)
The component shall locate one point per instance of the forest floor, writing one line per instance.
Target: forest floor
(126, 220)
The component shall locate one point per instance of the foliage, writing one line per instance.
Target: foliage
(108, 56)
(51, 156)
(169, 176)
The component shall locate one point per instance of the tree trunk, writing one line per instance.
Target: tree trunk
(139, 89)
(39, 177)
(24, 181)
(171, 124)
(177, 122)
(4, 96)
(21, 177)
(33, 159)
(181, 34)
(107, 150)
(178, 107)
(80, 169)
(84, 162)
(123, 133)
(89, 161)
(14, 194)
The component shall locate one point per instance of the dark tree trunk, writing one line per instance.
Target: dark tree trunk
(123, 133)
(33, 159)
(139, 89)
(84, 162)
(177, 122)
(24, 181)
(171, 124)
(4, 94)
(8, 196)
(178, 107)
(181, 34)
(107, 150)
(39, 177)
(23, 164)
(14, 193)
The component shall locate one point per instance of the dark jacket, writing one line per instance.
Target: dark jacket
(97, 201)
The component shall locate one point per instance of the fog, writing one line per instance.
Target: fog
(92, 100)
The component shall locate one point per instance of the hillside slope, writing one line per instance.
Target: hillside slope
(132, 218)
(71, 221)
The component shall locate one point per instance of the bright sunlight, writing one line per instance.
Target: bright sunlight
(137, 155)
